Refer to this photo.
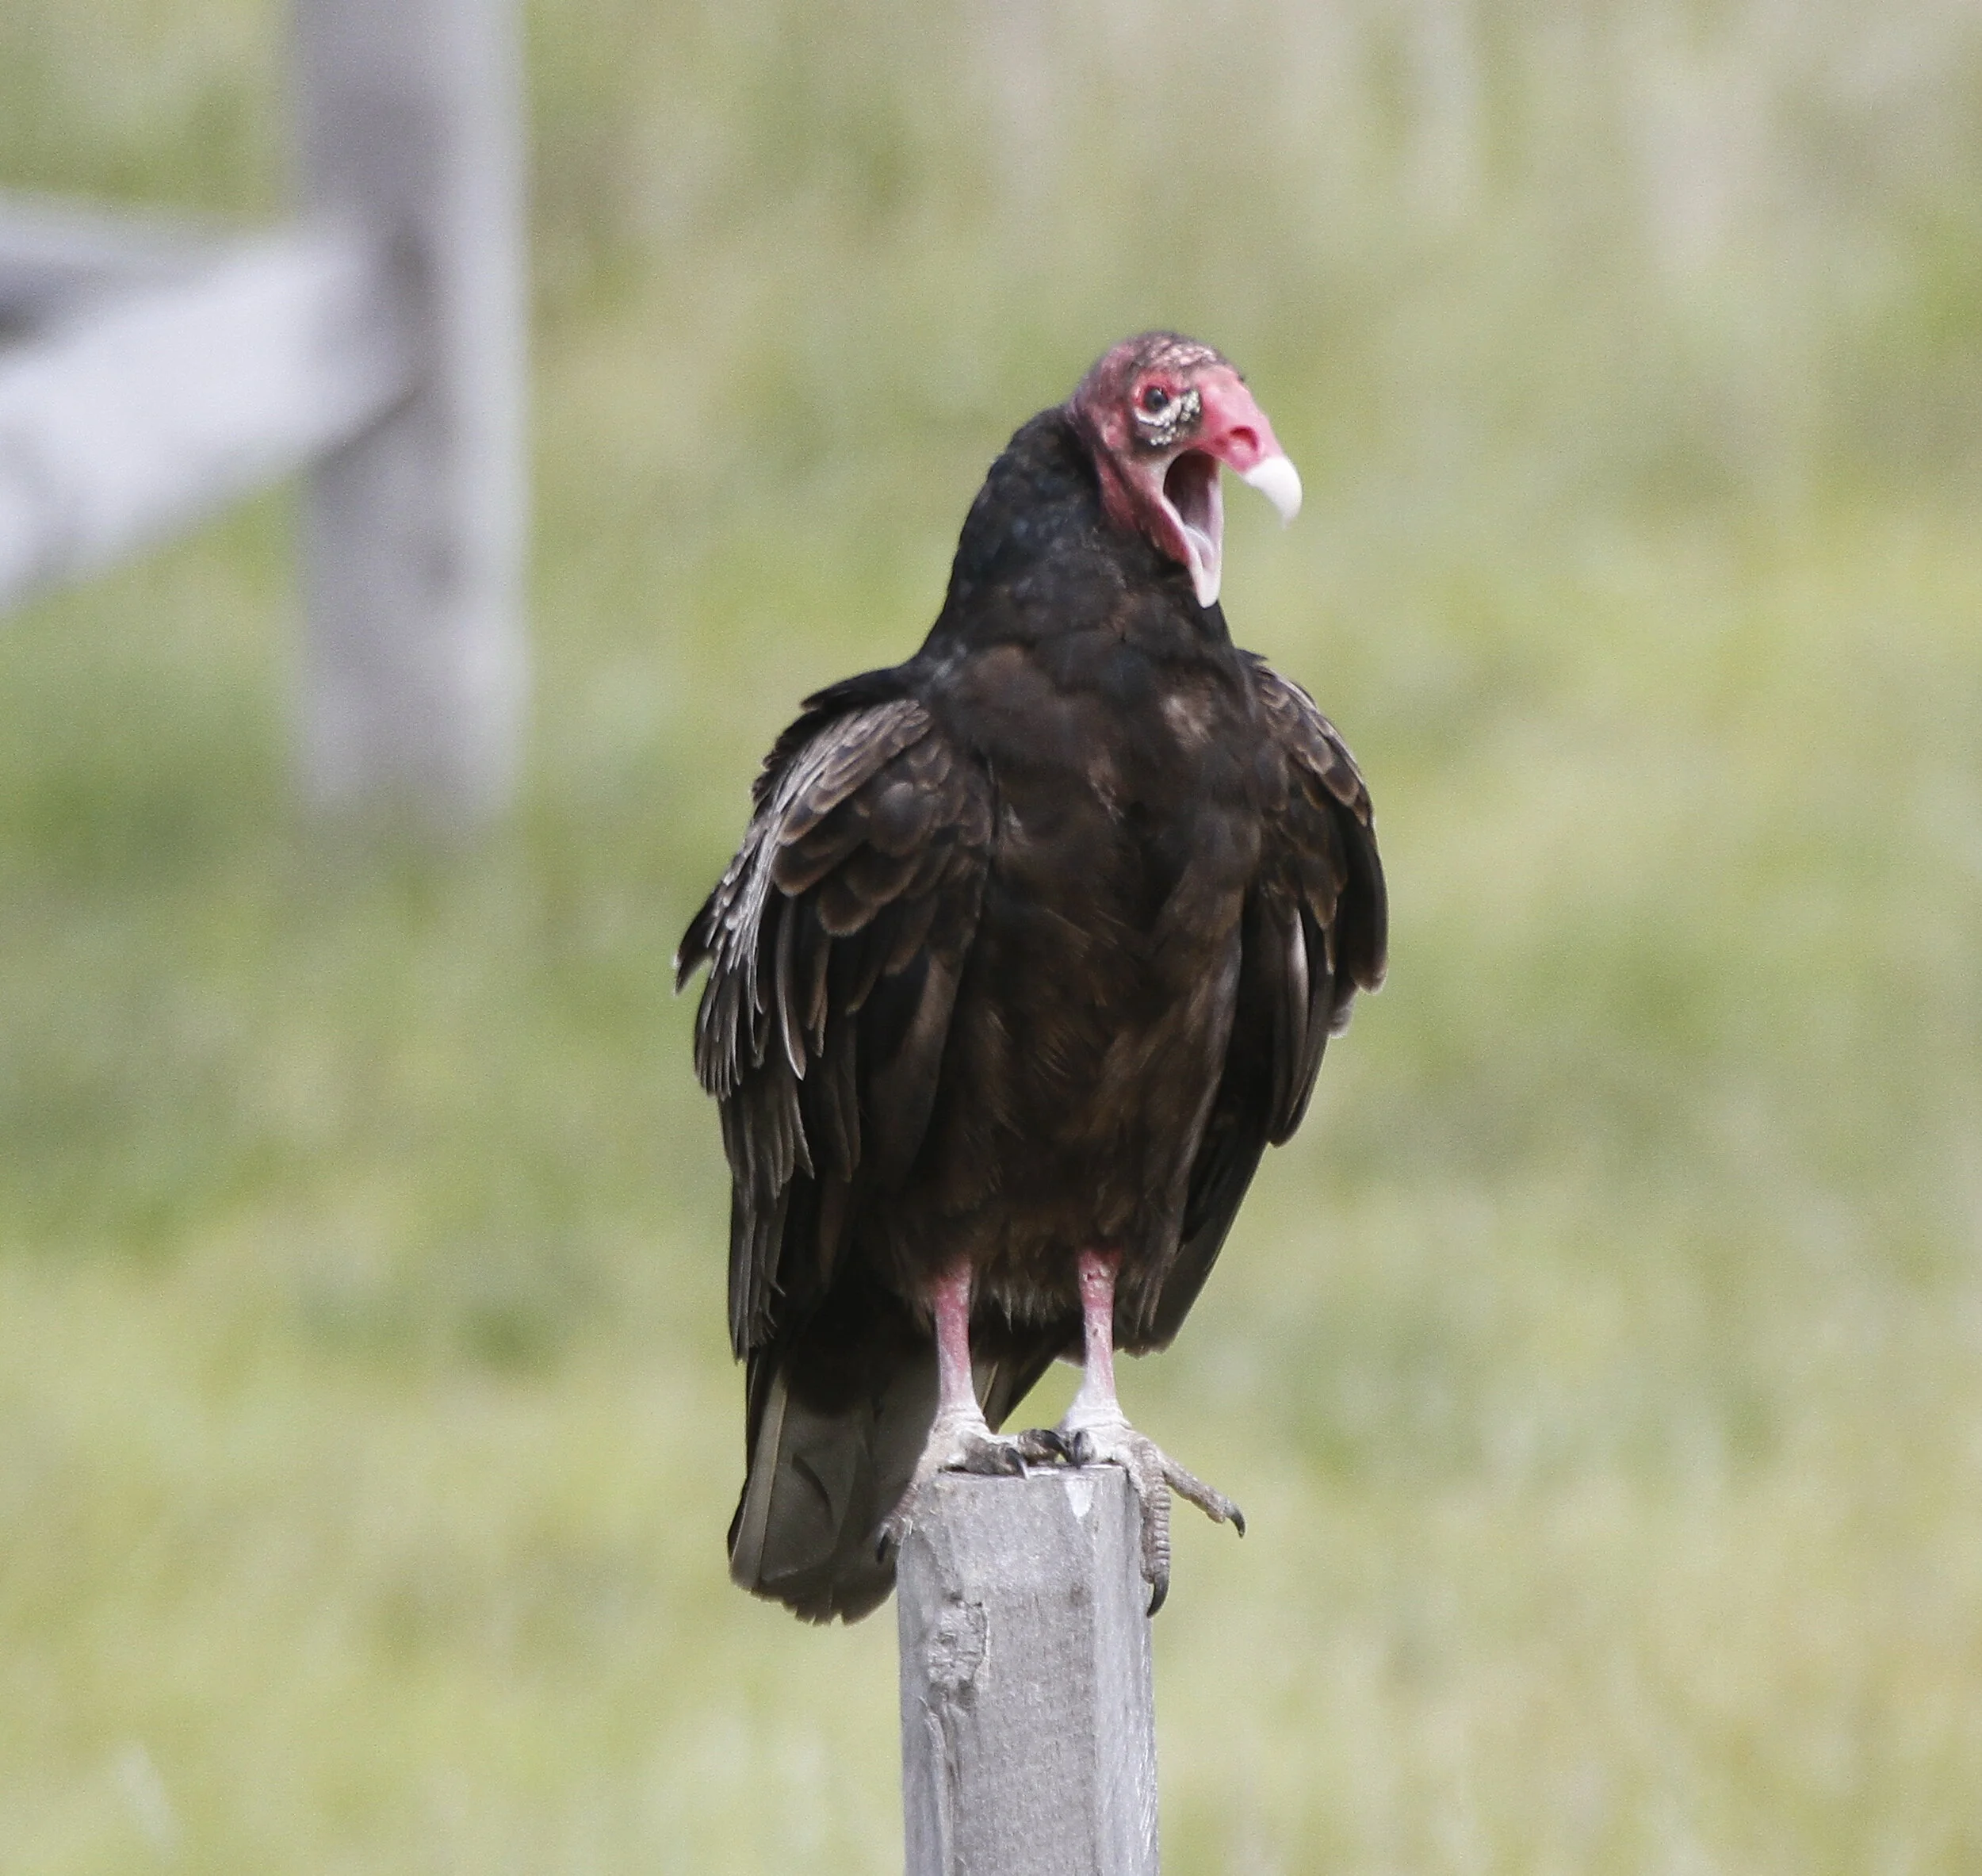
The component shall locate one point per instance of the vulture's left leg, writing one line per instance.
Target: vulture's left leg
(960, 1437)
(1095, 1431)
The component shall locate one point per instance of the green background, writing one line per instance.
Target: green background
(1598, 1369)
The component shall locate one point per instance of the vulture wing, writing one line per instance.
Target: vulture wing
(1315, 931)
(835, 942)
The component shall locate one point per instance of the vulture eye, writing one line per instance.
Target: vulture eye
(1154, 399)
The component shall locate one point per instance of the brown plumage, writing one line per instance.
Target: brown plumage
(1033, 945)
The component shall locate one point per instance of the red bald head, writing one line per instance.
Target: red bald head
(1162, 414)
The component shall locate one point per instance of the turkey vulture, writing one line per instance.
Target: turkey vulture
(1032, 946)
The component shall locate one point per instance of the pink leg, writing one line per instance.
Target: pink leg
(960, 1440)
(1096, 1404)
(1096, 1431)
(950, 1303)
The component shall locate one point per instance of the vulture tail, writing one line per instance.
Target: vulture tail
(838, 1417)
(833, 1441)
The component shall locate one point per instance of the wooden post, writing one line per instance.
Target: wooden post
(415, 664)
(1028, 1722)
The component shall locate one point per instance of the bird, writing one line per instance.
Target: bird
(1032, 945)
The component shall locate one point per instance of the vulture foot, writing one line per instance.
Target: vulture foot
(1155, 1476)
(958, 1442)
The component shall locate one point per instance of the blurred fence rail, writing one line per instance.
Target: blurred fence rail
(151, 387)
(149, 374)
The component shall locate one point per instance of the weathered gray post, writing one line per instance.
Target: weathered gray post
(1028, 1721)
(415, 667)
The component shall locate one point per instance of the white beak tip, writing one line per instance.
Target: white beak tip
(1277, 479)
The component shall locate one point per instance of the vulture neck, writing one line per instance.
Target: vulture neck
(1038, 558)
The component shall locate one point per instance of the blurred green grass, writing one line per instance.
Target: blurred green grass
(1599, 1367)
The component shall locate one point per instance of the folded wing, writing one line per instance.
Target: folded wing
(835, 941)
(1316, 925)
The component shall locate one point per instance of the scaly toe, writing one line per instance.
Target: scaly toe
(1154, 1474)
(989, 1456)
(955, 1445)
(1042, 1445)
(1213, 1504)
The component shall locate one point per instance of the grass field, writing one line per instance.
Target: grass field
(1601, 1369)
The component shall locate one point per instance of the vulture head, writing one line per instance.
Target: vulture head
(1162, 414)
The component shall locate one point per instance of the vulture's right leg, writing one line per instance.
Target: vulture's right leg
(1096, 1432)
(960, 1437)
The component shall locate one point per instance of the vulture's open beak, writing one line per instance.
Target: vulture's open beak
(1233, 433)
